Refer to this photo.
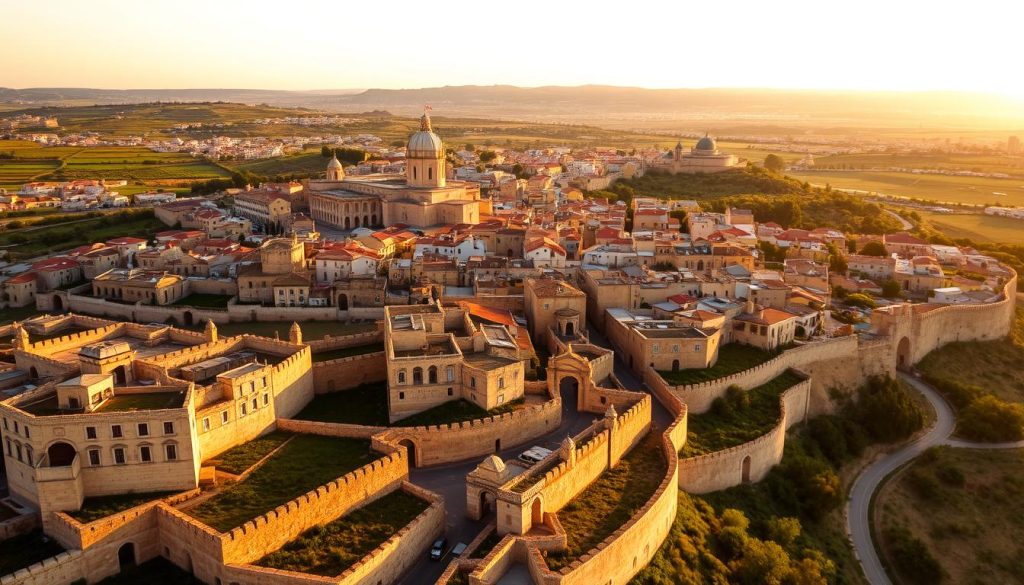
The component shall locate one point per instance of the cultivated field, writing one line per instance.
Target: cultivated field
(978, 227)
(983, 163)
(942, 188)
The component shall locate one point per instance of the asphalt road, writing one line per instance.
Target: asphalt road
(858, 507)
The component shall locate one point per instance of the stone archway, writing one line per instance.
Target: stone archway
(188, 318)
(61, 454)
(58, 304)
(536, 512)
(343, 302)
(903, 356)
(485, 504)
(33, 373)
(569, 390)
(126, 555)
(745, 470)
(410, 449)
(120, 375)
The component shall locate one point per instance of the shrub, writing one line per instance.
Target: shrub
(951, 475)
(860, 300)
(886, 410)
(784, 531)
(912, 558)
(992, 420)
(923, 484)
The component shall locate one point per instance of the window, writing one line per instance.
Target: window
(145, 455)
(17, 429)
(224, 417)
(255, 404)
(675, 349)
(94, 457)
(206, 424)
(656, 348)
(264, 381)
(28, 435)
(168, 428)
(501, 398)
(171, 450)
(115, 431)
(143, 429)
(90, 432)
(245, 409)
(401, 395)
(6, 428)
(501, 382)
(119, 455)
(401, 376)
(450, 391)
(17, 449)
(451, 374)
(266, 399)
(696, 348)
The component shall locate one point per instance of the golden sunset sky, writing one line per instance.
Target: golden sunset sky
(300, 44)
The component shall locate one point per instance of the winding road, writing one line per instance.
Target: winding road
(858, 507)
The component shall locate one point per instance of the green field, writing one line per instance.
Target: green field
(977, 227)
(941, 188)
(32, 242)
(305, 163)
(982, 163)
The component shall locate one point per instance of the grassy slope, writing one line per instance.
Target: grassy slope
(732, 358)
(330, 549)
(973, 529)
(978, 227)
(713, 431)
(101, 507)
(993, 365)
(305, 463)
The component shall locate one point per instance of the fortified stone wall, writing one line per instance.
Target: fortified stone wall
(330, 342)
(752, 460)
(385, 564)
(349, 372)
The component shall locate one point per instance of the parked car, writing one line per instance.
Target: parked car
(459, 549)
(534, 454)
(437, 551)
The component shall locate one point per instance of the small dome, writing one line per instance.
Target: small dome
(334, 164)
(706, 144)
(493, 463)
(425, 144)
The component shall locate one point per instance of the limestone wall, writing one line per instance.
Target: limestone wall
(20, 524)
(726, 468)
(63, 568)
(698, 397)
(349, 372)
(330, 342)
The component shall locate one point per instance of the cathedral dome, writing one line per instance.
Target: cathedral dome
(706, 144)
(425, 144)
(334, 164)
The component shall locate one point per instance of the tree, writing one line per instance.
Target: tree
(470, 147)
(325, 151)
(890, 289)
(774, 162)
(487, 156)
(993, 420)
(836, 260)
(860, 300)
(874, 248)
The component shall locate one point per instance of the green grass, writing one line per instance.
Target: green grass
(238, 459)
(148, 401)
(363, 405)
(966, 506)
(995, 366)
(330, 549)
(608, 503)
(303, 464)
(741, 417)
(101, 507)
(207, 301)
(305, 163)
(732, 358)
(27, 549)
(334, 354)
(158, 571)
(984, 163)
(977, 227)
(455, 411)
(942, 188)
(24, 244)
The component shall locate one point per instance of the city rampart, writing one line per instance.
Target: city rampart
(752, 460)
(349, 372)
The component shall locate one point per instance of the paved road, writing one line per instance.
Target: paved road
(858, 507)
(905, 224)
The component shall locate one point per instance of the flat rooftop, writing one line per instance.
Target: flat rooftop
(484, 361)
(48, 406)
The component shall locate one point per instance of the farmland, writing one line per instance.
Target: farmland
(982, 163)
(942, 188)
(977, 227)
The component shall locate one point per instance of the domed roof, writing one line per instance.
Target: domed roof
(334, 164)
(493, 463)
(706, 144)
(425, 144)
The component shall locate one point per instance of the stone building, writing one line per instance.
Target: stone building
(704, 157)
(128, 285)
(554, 306)
(423, 197)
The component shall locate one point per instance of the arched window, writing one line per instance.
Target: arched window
(414, 172)
(432, 372)
(451, 373)
(430, 173)
(417, 375)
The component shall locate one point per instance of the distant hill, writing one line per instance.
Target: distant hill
(781, 111)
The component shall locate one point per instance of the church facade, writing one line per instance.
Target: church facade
(705, 157)
(424, 197)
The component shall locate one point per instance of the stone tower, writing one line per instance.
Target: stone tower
(20, 337)
(335, 172)
(210, 331)
(295, 333)
(424, 157)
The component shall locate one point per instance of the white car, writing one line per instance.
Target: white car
(534, 454)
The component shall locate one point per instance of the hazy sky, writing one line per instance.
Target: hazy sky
(306, 44)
